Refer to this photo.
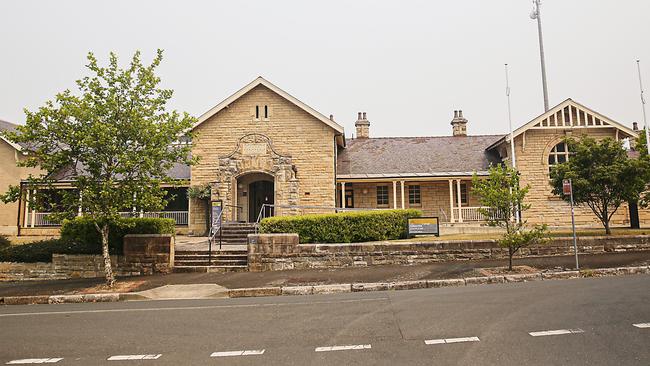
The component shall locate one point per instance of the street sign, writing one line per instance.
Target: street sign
(423, 226)
(215, 212)
(566, 187)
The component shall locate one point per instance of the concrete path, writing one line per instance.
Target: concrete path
(598, 321)
(193, 291)
(387, 273)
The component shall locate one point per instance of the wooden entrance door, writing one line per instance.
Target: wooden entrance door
(259, 193)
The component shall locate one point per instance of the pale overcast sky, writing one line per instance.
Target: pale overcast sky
(408, 64)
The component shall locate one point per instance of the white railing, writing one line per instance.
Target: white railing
(179, 216)
(40, 218)
(472, 214)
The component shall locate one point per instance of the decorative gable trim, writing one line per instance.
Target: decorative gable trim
(261, 81)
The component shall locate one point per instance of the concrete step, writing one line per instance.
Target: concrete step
(205, 252)
(211, 269)
(201, 256)
(217, 263)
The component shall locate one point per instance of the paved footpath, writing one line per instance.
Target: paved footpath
(594, 321)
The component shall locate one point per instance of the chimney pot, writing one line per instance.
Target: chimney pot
(359, 117)
(362, 126)
(460, 113)
(635, 126)
(364, 115)
(331, 117)
(459, 124)
(455, 114)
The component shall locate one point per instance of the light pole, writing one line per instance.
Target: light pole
(536, 14)
(645, 118)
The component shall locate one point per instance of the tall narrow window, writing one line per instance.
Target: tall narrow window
(266, 112)
(414, 195)
(382, 195)
(257, 112)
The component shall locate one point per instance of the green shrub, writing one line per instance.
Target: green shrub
(348, 227)
(41, 251)
(4, 242)
(82, 230)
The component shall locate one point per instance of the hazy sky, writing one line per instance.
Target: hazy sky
(408, 64)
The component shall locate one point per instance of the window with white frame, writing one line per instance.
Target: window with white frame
(382, 195)
(559, 154)
(414, 195)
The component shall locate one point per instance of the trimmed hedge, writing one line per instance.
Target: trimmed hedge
(79, 236)
(347, 227)
(82, 230)
(4, 242)
(41, 251)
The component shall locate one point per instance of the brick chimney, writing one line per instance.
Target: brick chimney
(363, 126)
(459, 124)
(635, 126)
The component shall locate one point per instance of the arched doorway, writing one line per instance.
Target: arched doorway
(253, 191)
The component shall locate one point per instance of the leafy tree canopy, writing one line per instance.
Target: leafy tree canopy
(603, 176)
(114, 141)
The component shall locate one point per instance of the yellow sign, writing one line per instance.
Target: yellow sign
(423, 226)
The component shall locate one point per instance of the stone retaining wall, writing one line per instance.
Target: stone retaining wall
(143, 255)
(273, 252)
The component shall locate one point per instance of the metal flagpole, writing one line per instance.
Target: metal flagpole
(645, 118)
(512, 140)
(536, 14)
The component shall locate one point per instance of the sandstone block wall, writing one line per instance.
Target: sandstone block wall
(274, 252)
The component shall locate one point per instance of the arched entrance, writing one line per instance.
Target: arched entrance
(253, 191)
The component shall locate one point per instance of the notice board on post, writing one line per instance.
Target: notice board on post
(215, 213)
(423, 226)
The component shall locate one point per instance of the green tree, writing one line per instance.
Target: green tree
(503, 199)
(603, 176)
(114, 140)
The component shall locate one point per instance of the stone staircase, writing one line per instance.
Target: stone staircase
(232, 256)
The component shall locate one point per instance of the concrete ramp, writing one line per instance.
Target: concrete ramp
(178, 292)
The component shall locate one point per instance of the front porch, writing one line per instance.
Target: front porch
(450, 199)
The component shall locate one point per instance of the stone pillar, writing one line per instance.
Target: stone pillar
(459, 201)
(401, 182)
(394, 194)
(342, 194)
(451, 200)
(33, 211)
(27, 208)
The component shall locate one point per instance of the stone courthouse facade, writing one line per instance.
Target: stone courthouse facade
(263, 152)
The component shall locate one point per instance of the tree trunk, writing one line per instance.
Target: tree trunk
(510, 254)
(108, 269)
(608, 230)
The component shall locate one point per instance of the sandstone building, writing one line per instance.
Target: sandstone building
(263, 152)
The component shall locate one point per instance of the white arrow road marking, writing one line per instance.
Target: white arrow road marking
(343, 348)
(451, 340)
(134, 357)
(34, 360)
(556, 332)
(253, 352)
(642, 325)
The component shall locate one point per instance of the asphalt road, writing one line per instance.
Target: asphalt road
(597, 317)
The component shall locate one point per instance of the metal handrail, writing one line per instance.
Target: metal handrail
(212, 234)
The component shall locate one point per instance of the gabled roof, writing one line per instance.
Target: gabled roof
(438, 156)
(261, 81)
(562, 117)
(8, 126)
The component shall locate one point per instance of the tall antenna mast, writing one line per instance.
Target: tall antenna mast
(512, 140)
(645, 118)
(536, 14)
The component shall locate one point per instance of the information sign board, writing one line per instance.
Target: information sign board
(423, 226)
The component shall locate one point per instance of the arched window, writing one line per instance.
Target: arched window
(559, 154)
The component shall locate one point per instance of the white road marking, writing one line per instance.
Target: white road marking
(253, 352)
(451, 340)
(191, 307)
(34, 360)
(556, 332)
(343, 348)
(642, 325)
(134, 357)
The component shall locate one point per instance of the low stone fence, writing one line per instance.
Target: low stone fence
(144, 254)
(274, 252)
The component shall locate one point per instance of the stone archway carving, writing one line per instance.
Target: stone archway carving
(255, 153)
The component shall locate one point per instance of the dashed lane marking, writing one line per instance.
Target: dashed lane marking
(451, 340)
(34, 360)
(642, 325)
(343, 348)
(253, 352)
(134, 357)
(556, 332)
